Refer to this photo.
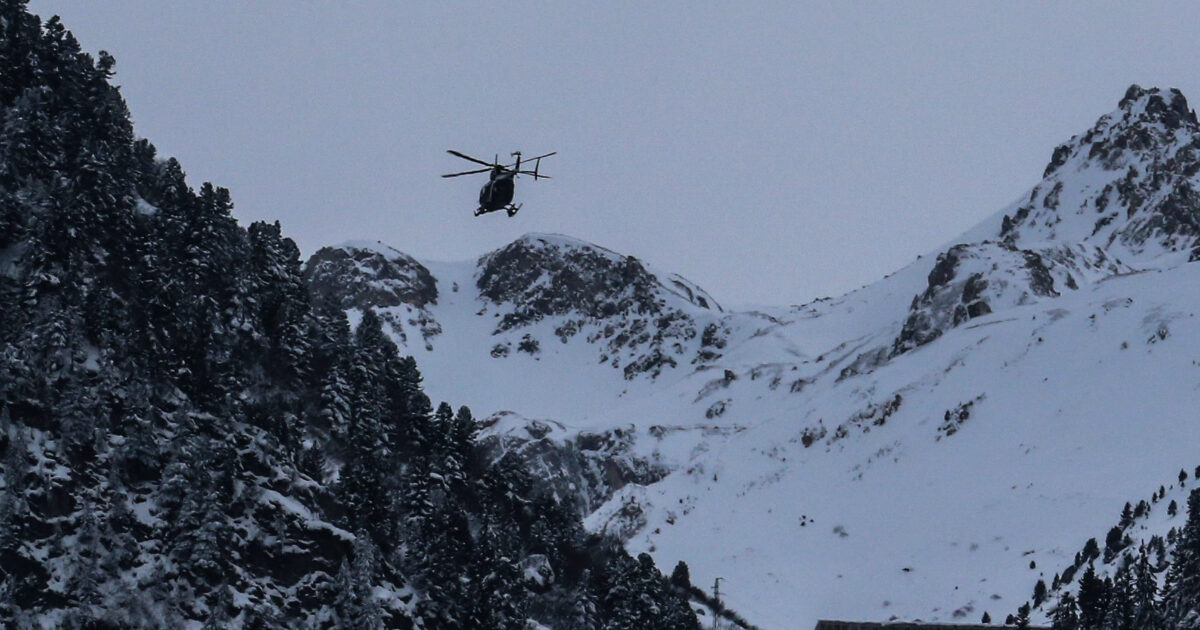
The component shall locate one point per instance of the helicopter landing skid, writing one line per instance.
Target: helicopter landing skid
(511, 209)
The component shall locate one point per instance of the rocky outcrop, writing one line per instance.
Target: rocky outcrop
(1128, 185)
(642, 324)
(1122, 196)
(579, 469)
(363, 276)
(970, 281)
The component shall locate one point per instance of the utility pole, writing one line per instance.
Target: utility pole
(717, 607)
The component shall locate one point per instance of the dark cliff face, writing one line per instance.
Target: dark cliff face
(362, 278)
(539, 279)
(1146, 120)
(641, 324)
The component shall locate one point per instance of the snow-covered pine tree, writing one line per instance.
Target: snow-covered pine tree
(1181, 593)
(1145, 593)
(1119, 613)
(1093, 600)
(1065, 615)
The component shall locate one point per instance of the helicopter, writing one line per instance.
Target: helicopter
(497, 194)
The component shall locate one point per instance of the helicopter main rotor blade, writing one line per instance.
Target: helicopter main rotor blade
(536, 175)
(528, 160)
(468, 158)
(480, 170)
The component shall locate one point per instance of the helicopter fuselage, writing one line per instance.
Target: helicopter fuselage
(497, 194)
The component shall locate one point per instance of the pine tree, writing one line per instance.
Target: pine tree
(585, 615)
(85, 577)
(1039, 593)
(1021, 620)
(1112, 544)
(461, 460)
(1093, 600)
(499, 598)
(636, 598)
(220, 608)
(1181, 594)
(1065, 615)
(1145, 594)
(120, 549)
(364, 487)
(1119, 613)
(12, 498)
(681, 577)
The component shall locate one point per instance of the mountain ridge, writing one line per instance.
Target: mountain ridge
(795, 398)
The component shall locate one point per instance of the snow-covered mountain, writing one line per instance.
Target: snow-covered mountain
(926, 447)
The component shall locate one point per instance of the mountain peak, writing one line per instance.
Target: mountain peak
(1128, 185)
(1147, 123)
(552, 239)
(1167, 106)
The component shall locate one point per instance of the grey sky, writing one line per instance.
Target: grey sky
(771, 152)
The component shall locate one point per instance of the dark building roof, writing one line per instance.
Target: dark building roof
(826, 624)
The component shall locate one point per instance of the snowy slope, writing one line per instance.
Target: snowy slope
(904, 451)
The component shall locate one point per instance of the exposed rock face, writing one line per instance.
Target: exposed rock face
(362, 276)
(544, 275)
(643, 324)
(1128, 185)
(1114, 199)
(970, 281)
(369, 277)
(582, 470)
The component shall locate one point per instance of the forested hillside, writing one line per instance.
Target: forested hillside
(189, 439)
(1136, 579)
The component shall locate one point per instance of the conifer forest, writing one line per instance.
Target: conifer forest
(189, 439)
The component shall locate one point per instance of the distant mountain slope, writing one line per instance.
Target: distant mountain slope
(925, 447)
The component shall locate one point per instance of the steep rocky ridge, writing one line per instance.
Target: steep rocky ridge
(642, 323)
(1128, 185)
(361, 275)
(539, 290)
(1118, 198)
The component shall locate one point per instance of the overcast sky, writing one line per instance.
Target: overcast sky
(772, 152)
